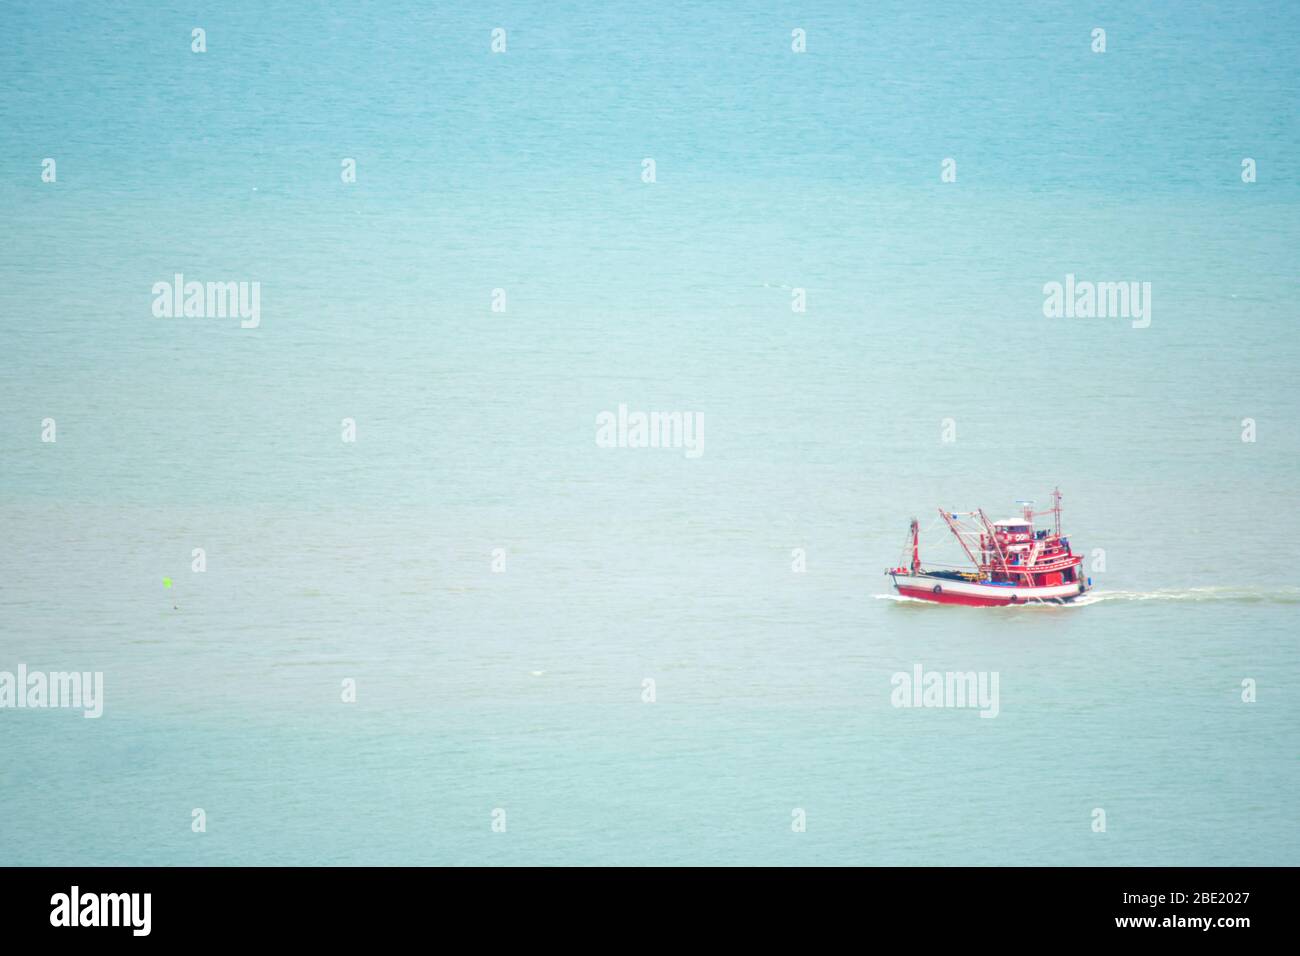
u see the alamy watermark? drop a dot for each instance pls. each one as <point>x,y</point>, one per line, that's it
<point>208,300</point>
<point>922,688</point>
<point>75,908</point>
<point>626,429</point>
<point>1098,300</point>
<point>37,689</point>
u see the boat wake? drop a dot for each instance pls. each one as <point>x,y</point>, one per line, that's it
<point>1225,594</point>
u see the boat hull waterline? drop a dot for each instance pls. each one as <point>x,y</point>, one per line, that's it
<point>924,587</point>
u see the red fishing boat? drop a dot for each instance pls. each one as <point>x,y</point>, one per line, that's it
<point>1013,563</point>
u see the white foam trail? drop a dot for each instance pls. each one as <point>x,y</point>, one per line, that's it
<point>1245,595</point>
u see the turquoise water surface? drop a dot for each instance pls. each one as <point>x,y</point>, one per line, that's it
<point>523,689</point>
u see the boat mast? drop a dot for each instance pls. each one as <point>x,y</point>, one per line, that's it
<point>916,546</point>
<point>1056,508</point>
<point>993,537</point>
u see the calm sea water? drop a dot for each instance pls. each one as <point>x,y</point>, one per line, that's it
<point>522,690</point>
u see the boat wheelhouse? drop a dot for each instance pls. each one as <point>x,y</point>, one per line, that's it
<point>1012,562</point>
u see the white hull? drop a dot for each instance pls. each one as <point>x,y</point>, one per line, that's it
<point>949,591</point>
